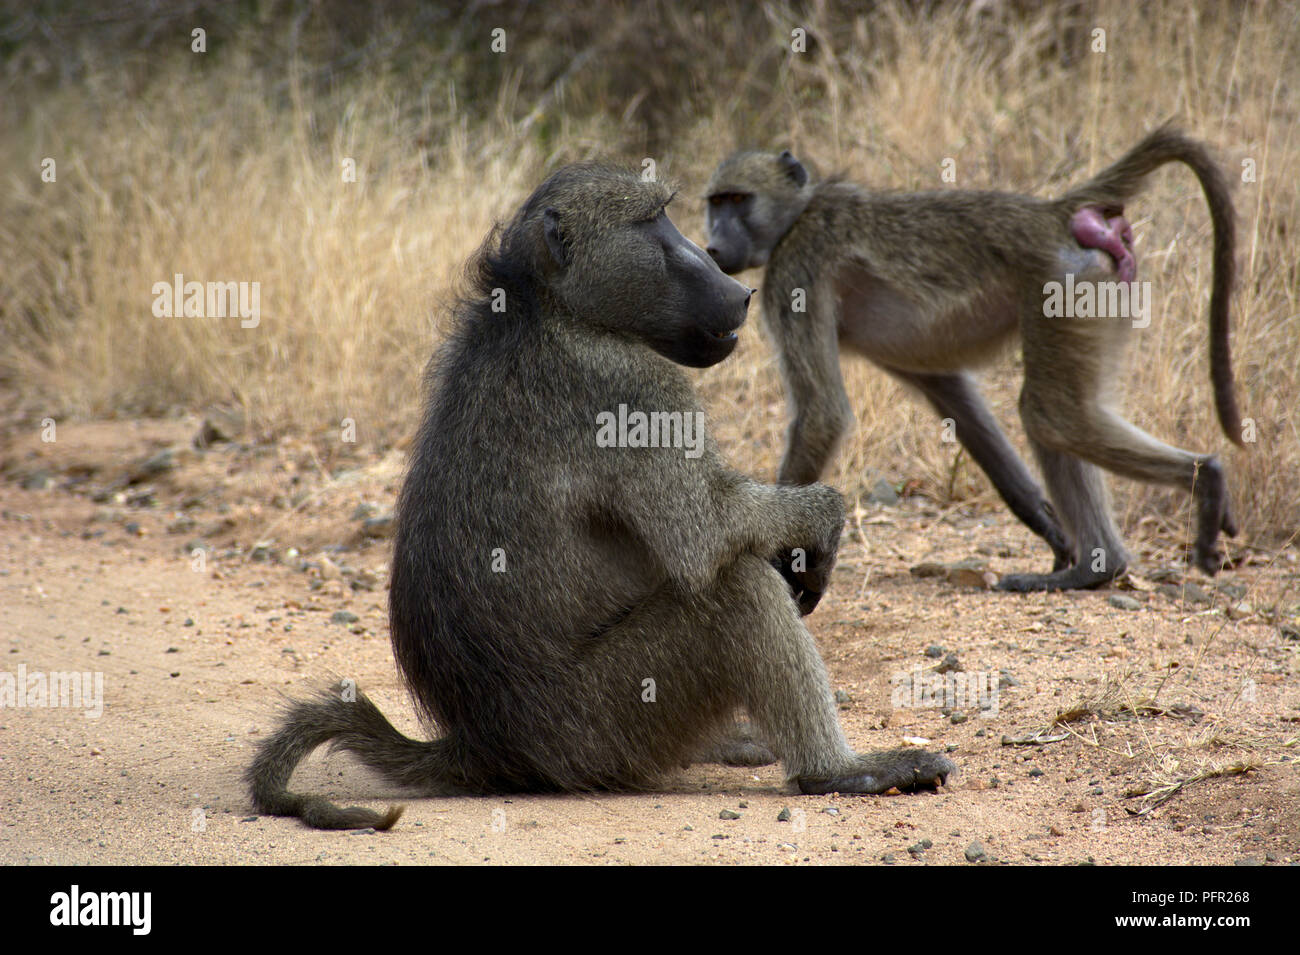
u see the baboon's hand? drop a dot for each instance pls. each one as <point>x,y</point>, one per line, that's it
<point>822,508</point>
<point>808,572</point>
<point>807,587</point>
<point>807,566</point>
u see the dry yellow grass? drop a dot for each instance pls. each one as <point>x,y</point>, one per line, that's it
<point>234,174</point>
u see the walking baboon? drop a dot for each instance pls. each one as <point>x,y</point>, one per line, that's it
<point>928,285</point>
<point>573,609</point>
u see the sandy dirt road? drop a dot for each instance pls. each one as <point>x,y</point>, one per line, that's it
<point>194,660</point>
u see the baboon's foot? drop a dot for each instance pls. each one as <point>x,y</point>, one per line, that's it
<point>1209,559</point>
<point>741,748</point>
<point>908,770</point>
<point>1214,514</point>
<point>739,753</point>
<point>1078,577</point>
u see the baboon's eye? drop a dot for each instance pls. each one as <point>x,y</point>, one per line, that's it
<point>725,198</point>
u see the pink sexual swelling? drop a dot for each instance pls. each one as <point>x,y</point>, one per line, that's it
<point>1114,236</point>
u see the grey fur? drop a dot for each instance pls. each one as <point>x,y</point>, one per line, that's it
<point>540,580</point>
<point>929,285</point>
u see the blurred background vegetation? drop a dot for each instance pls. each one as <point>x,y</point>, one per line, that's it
<point>226,165</point>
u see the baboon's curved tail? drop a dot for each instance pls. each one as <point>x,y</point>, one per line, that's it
<point>359,728</point>
<point>1119,182</point>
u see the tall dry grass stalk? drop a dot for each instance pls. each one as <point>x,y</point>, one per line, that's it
<point>234,173</point>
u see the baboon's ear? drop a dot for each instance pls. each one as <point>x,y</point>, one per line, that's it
<point>554,241</point>
<point>793,168</point>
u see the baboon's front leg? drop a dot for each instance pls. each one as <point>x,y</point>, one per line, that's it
<point>1079,490</point>
<point>820,414</point>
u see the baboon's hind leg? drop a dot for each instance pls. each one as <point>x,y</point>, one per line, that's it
<point>956,397</point>
<point>1102,438</point>
<point>1119,446</point>
<point>742,644</point>
<point>1078,490</point>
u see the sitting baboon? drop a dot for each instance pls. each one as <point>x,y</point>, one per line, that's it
<point>927,285</point>
<point>576,606</point>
